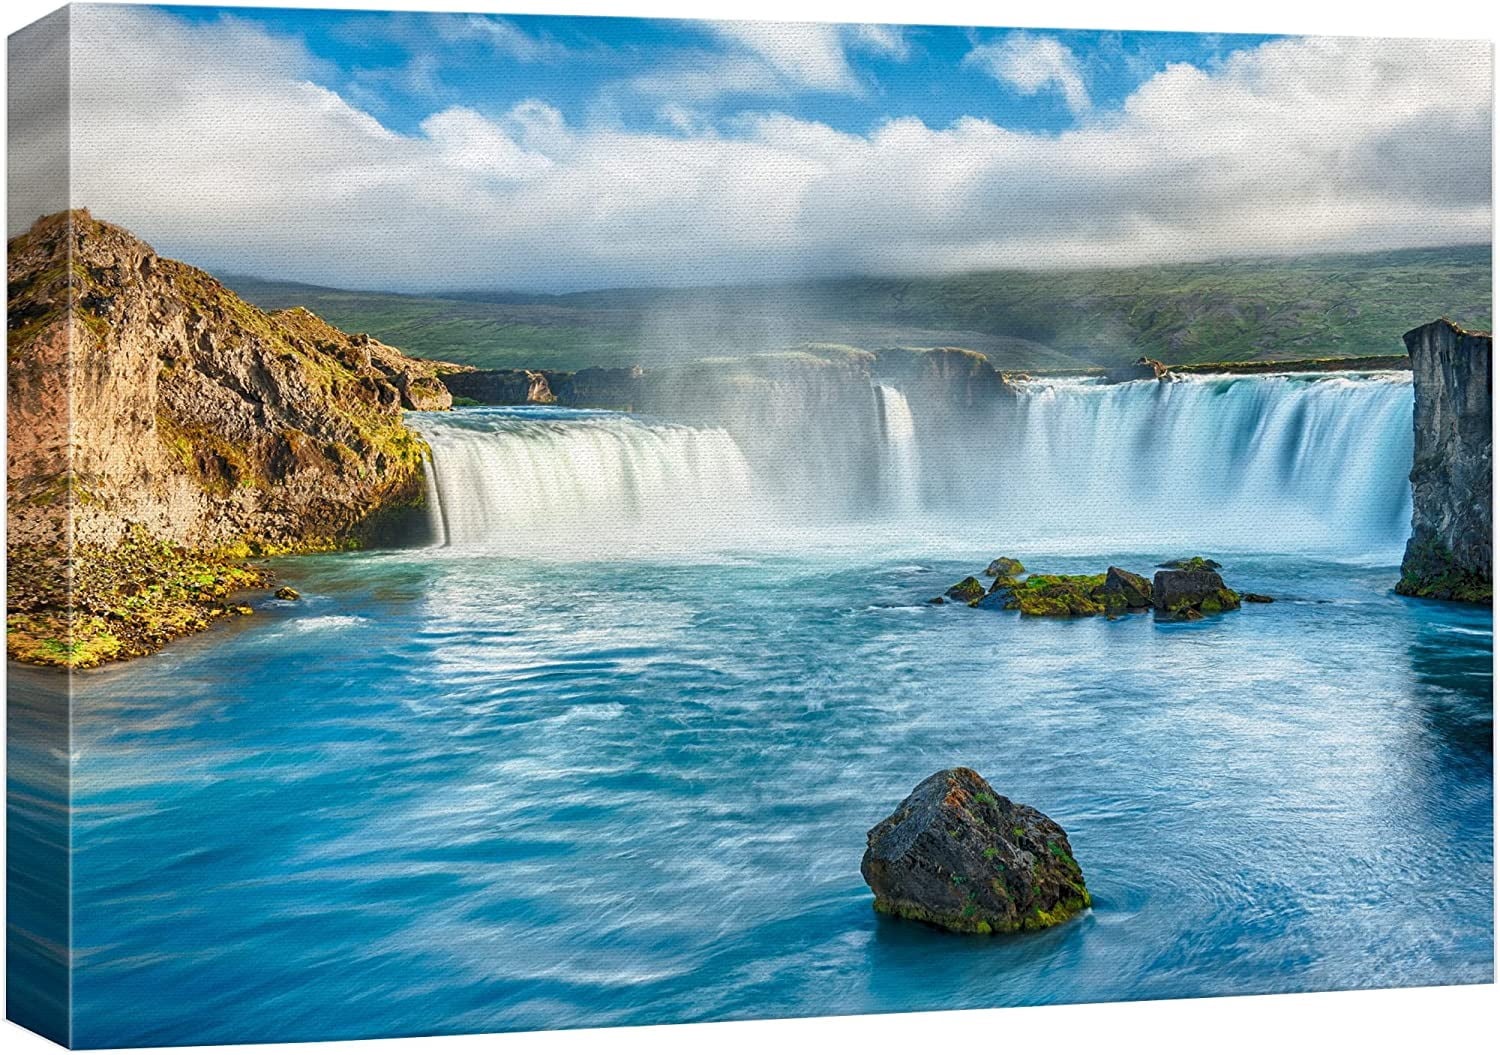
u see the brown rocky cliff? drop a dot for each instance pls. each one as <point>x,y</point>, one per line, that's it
<point>142,391</point>
<point>1449,555</point>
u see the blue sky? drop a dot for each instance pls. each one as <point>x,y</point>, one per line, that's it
<point>402,66</point>
<point>418,151</point>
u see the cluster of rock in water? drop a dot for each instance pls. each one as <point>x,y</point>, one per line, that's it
<point>958,855</point>
<point>1189,588</point>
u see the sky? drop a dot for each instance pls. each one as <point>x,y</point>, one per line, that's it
<point>423,151</point>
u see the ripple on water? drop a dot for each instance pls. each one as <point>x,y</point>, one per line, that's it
<point>512,794</point>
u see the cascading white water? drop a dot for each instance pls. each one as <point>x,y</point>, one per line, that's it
<point>437,530</point>
<point>1279,463</point>
<point>902,467</point>
<point>530,481</point>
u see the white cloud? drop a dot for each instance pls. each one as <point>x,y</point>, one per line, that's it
<point>683,119</point>
<point>773,59</point>
<point>1031,63</point>
<point>468,142</point>
<point>889,41</point>
<point>805,54</point>
<point>505,37</point>
<point>212,142</point>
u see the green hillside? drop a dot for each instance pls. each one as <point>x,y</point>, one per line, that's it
<point>1265,309</point>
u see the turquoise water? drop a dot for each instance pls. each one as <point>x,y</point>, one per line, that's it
<point>462,795</point>
<point>453,790</point>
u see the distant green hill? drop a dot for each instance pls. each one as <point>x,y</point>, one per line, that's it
<point>1263,309</point>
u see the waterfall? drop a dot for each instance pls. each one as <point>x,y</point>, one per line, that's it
<point>1280,463</point>
<point>530,480</point>
<point>1270,462</point>
<point>902,468</point>
<point>437,530</point>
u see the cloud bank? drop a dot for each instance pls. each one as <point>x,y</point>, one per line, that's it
<point>216,142</point>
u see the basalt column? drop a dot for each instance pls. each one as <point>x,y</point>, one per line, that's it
<point>1449,554</point>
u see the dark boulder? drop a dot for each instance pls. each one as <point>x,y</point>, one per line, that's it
<point>967,591</point>
<point>1192,592</point>
<point>1123,589</point>
<point>958,855</point>
<point>286,593</point>
<point>1001,595</point>
<point>1256,598</point>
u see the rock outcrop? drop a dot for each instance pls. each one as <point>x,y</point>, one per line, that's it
<point>1191,562</point>
<point>1449,555</point>
<point>1143,369</point>
<point>142,391</point>
<point>956,379</point>
<point>960,856</point>
<point>502,387</point>
<point>1187,588</point>
<point>969,591</point>
<point>1005,568</point>
<point>1192,589</point>
<point>613,388</point>
<point>151,407</point>
<point>1057,595</point>
<point>1123,589</point>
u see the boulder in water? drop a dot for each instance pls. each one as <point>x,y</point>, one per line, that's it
<point>1058,595</point>
<point>1192,591</point>
<point>1002,592</point>
<point>957,855</point>
<point>1122,590</point>
<point>1005,568</point>
<point>1001,595</point>
<point>286,593</point>
<point>1256,598</point>
<point>1191,563</point>
<point>967,591</point>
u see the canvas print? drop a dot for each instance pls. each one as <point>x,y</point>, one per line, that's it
<point>526,522</point>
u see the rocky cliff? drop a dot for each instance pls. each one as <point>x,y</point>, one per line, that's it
<point>150,406</point>
<point>956,379</point>
<point>502,387</point>
<point>1449,554</point>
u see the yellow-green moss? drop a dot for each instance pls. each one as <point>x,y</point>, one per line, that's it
<point>1057,595</point>
<point>100,604</point>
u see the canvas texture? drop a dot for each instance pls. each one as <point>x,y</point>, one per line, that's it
<point>526,522</point>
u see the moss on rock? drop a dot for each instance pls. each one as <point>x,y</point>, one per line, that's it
<point>109,603</point>
<point>1429,571</point>
<point>1058,596</point>
<point>968,590</point>
<point>959,856</point>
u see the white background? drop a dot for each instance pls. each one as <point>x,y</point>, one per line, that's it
<point>1456,1020</point>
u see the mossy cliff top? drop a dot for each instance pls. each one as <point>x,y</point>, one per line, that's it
<point>150,402</point>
